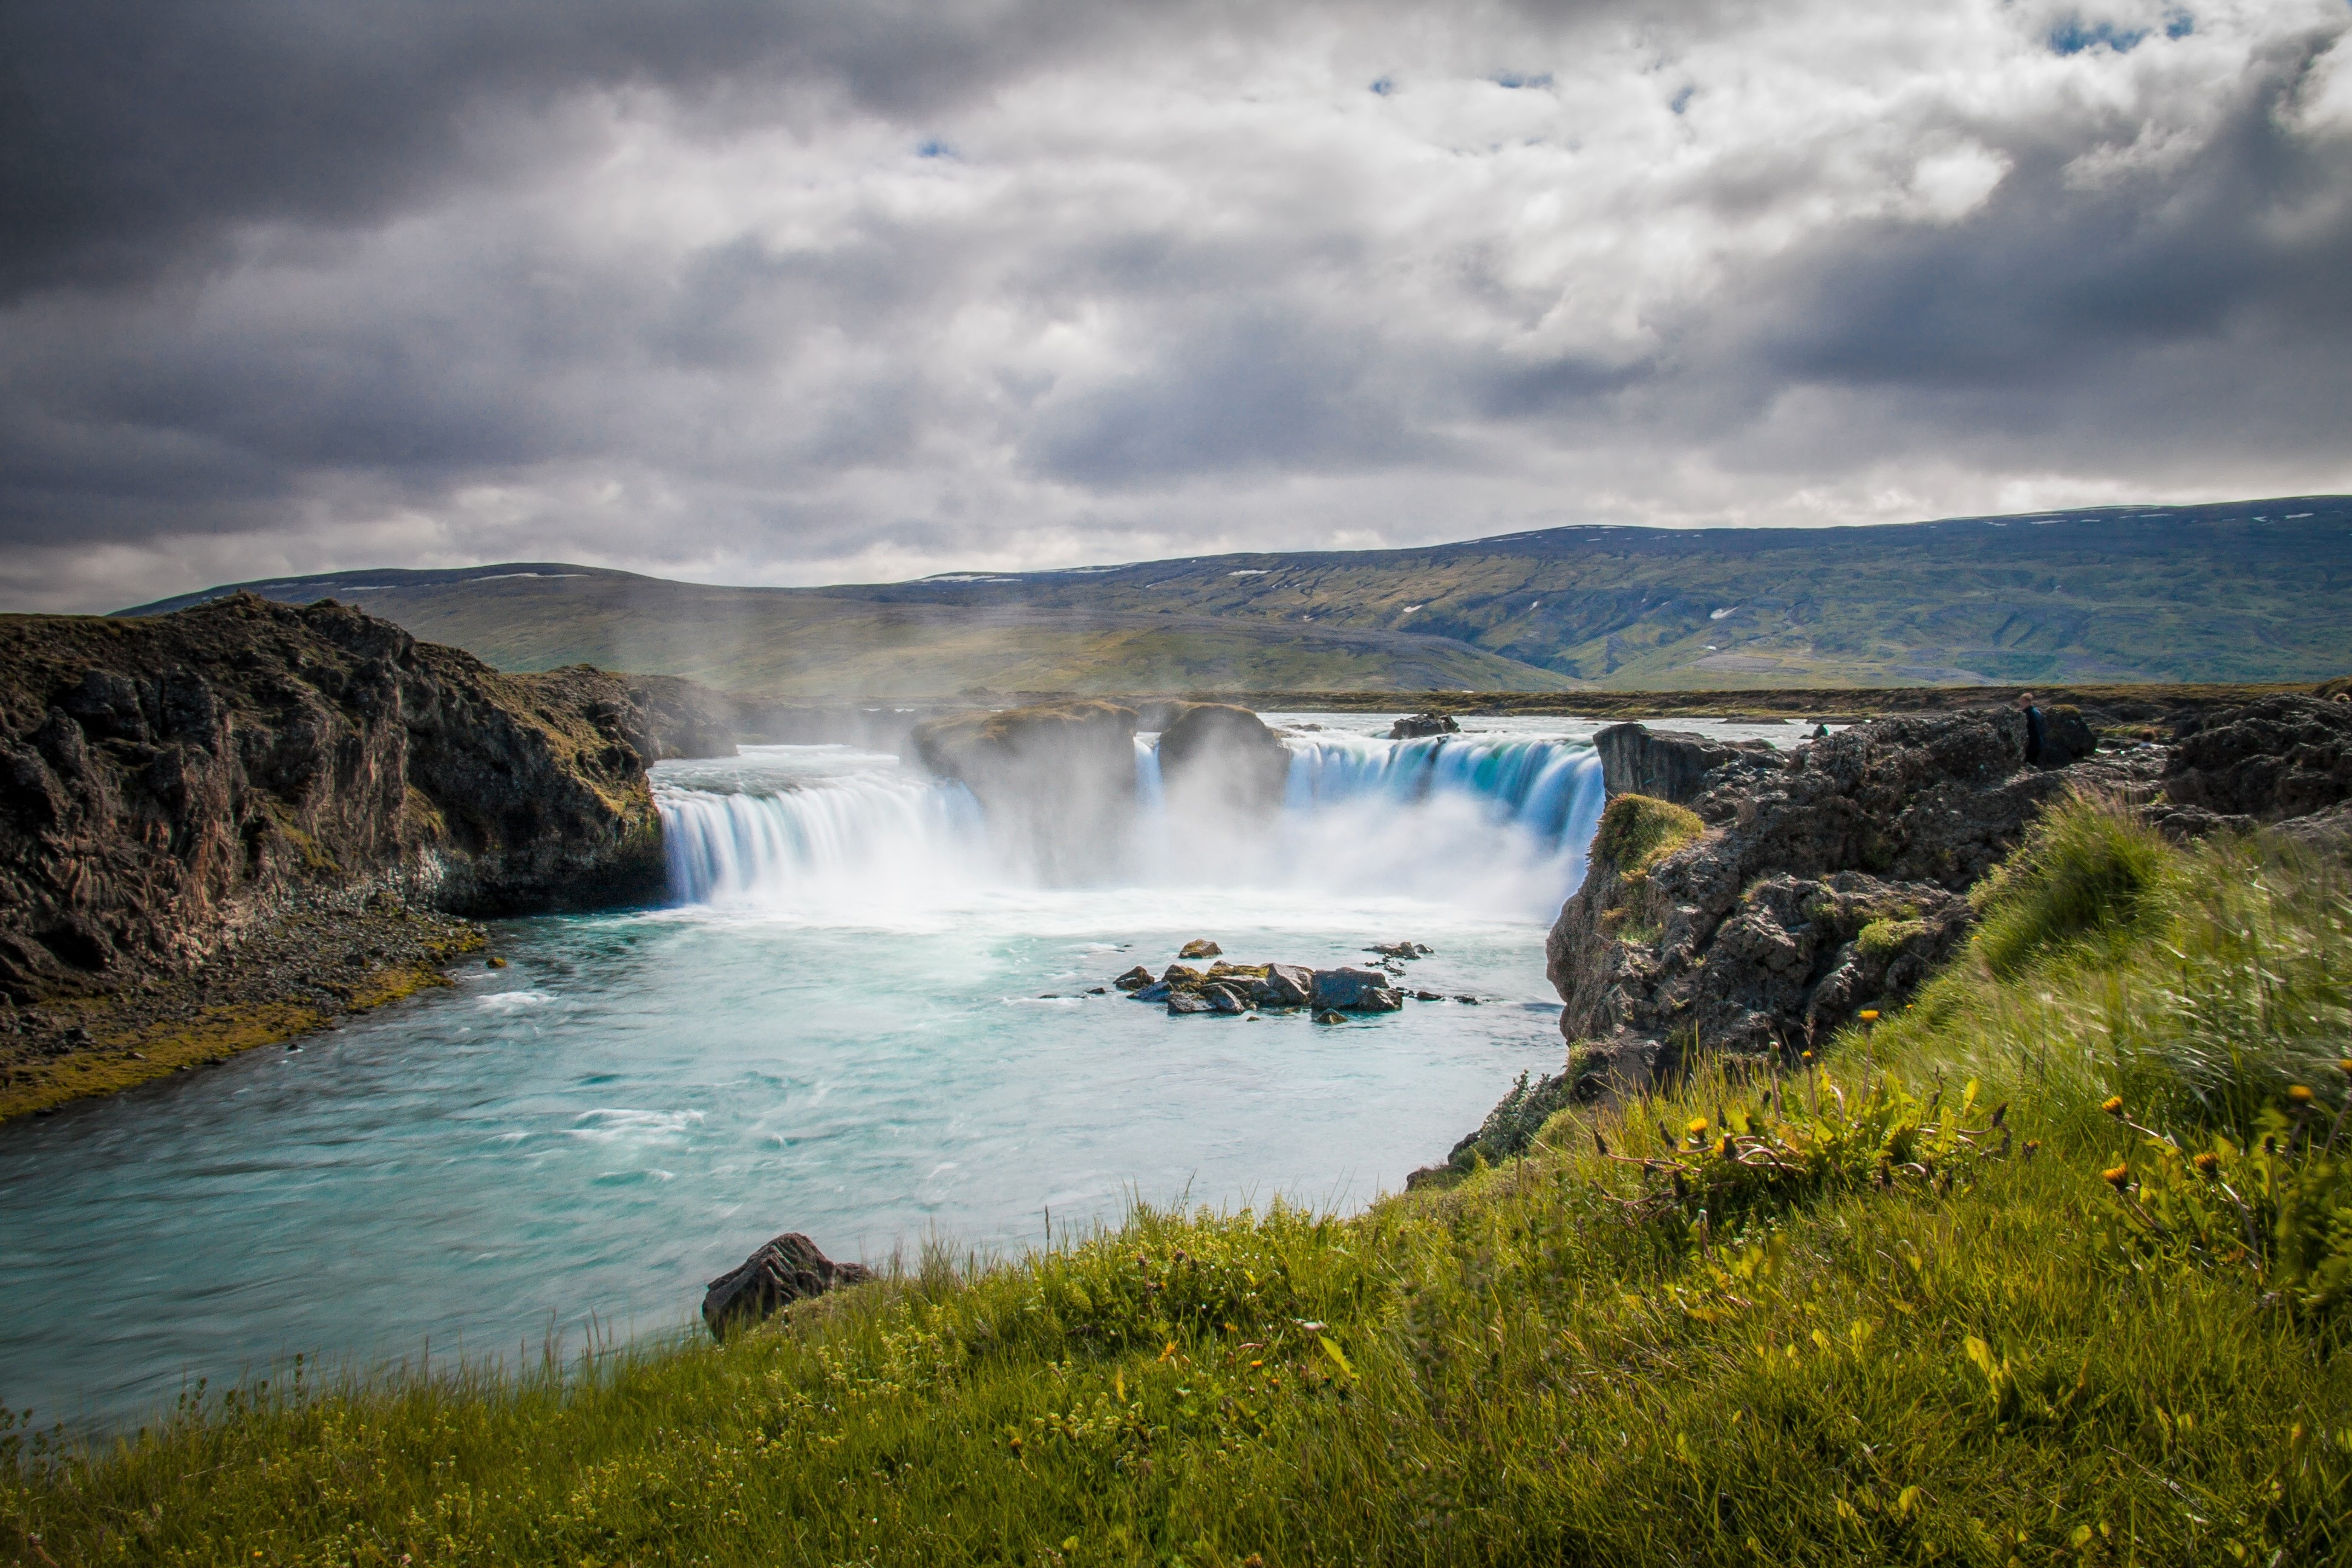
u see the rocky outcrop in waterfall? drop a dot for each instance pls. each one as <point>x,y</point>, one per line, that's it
<point>1057,781</point>
<point>1220,763</point>
<point>1667,764</point>
<point>176,786</point>
<point>1803,888</point>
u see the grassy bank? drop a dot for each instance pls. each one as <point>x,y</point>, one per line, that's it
<point>1962,1291</point>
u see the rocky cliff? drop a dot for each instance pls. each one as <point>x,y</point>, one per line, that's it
<point>173,786</point>
<point>1799,889</point>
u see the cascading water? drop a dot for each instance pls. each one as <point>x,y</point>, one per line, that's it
<point>1493,824</point>
<point>810,818</point>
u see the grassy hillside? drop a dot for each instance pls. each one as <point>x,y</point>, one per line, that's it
<point>2240,592</point>
<point>798,643</point>
<point>2050,1270</point>
<point>2244,591</point>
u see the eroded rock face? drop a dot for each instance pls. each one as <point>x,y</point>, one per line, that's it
<point>1058,780</point>
<point>169,781</point>
<point>1824,883</point>
<point>787,1269</point>
<point>1669,765</point>
<point>2276,758</point>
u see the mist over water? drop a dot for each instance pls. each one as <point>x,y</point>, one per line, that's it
<point>860,1016</point>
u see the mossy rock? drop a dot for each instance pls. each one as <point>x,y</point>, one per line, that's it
<point>1637,831</point>
<point>1884,937</point>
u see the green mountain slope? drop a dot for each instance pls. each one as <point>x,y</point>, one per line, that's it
<point>2246,591</point>
<point>807,644</point>
<point>2239,592</point>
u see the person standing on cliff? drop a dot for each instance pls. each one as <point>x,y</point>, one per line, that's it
<point>2032,729</point>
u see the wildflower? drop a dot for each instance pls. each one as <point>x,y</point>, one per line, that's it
<point>2299,1093</point>
<point>1869,1015</point>
<point>2114,1105</point>
<point>2206,1164</point>
<point>1698,1127</point>
<point>1808,1055</point>
<point>2120,1178</point>
<point>2344,1065</point>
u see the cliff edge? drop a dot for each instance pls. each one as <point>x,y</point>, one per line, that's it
<point>177,788</point>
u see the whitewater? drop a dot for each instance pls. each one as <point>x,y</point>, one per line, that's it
<point>856,1016</point>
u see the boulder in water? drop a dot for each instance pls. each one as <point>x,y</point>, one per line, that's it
<point>1291,985</point>
<point>1352,990</point>
<point>1419,726</point>
<point>1406,951</point>
<point>1223,999</point>
<point>1135,979</point>
<point>1158,991</point>
<point>1200,947</point>
<point>1330,1016</point>
<point>1180,974</point>
<point>1183,1002</point>
<point>789,1268</point>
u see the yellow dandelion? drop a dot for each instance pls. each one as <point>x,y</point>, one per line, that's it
<point>1698,1126</point>
<point>1869,1015</point>
<point>2299,1093</point>
<point>2119,1178</point>
<point>2206,1164</point>
<point>2114,1105</point>
<point>2344,1067</point>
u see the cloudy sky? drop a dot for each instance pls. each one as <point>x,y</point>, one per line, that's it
<point>822,291</point>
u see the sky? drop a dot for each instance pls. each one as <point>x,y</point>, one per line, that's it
<point>803,292</point>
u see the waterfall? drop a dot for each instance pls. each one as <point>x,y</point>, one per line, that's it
<point>1537,786</point>
<point>769,833</point>
<point>1497,824</point>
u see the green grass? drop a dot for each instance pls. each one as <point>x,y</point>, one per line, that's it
<point>1901,1317</point>
<point>1636,832</point>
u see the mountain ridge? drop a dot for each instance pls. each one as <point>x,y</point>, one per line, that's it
<point>2241,591</point>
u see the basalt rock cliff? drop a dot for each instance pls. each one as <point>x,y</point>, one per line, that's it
<point>1802,888</point>
<point>173,784</point>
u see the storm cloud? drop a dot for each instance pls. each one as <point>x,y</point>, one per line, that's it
<point>798,292</point>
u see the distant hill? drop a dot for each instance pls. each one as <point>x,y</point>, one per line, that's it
<point>789,642</point>
<point>2236,592</point>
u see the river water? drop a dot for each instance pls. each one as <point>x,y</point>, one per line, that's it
<point>853,1019</point>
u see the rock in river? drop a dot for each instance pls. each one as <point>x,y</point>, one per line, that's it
<point>1200,947</point>
<point>1290,984</point>
<point>1354,991</point>
<point>789,1268</point>
<point>1135,979</point>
